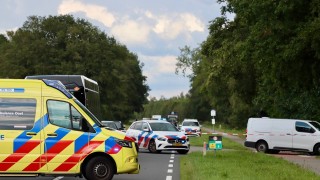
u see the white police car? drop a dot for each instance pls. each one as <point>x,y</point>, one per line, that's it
<point>191,127</point>
<point>158,135</point>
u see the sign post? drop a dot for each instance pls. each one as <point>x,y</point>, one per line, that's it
<point>215,143</point>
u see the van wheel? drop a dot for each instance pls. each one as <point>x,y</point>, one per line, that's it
<point>262,146</point>
<point>316,149</point>
<point>99,168</point>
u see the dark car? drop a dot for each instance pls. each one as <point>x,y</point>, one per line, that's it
<point>120,126</point>
<point>110,124</point>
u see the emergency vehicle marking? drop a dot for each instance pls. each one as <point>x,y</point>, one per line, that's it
<point>12,90</point>
<point>148,140</point>
<point>111,146</point>
<point>51,141</point>
<point>78,156</point>
<point>23,138</point>
<point>19,154</point>
<point>140,137</point>
<point>22,145</point>
<point>83,140</point>
<point>48,156</point>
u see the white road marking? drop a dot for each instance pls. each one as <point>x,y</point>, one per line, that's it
<point>171,161</point>
<point>169,178</point>
<point>170,165</point>
<point>170,170</point>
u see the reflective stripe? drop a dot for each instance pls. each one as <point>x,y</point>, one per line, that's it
<point>75,158</point>
<point>19,154</point>
<point>50,154</point>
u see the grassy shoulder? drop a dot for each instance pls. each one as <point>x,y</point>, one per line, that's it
<point>238,163</point>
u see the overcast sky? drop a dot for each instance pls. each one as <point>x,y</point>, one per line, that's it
<point>152,29</point>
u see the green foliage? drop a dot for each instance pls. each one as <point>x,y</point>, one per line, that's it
<point>164,107</point>
<point>265,59</point>
<point>64,45</point>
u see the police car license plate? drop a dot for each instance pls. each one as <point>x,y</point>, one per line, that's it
<point>177,144</point>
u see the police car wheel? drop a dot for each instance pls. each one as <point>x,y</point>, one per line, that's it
<point>152,146</point>
<point>99,168</point>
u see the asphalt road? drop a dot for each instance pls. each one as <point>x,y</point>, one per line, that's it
<point>162,166</point>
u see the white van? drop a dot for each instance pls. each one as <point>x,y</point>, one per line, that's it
<point>272,135</point>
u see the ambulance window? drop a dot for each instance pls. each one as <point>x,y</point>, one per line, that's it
<point>76,118</point>
<point>59,113</point>
<point>17,113</point>
<point>65,115</point>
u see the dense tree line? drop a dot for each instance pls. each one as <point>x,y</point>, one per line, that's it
<point>164,107</point>
<point>264,61</point>
<point>65,45</point>
<point>267,59</point>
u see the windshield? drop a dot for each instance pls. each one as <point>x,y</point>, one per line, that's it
<point>315,124</point>
<point>190,123</point>
<point>109,124</point>
<point>96,121</point>
<point>163,127</point>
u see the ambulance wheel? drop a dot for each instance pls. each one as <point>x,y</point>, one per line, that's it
<point>182,151</point>
<point>99,168</point>
<point>153,147</point>
<point>262,146</point>
<point>316,150</point>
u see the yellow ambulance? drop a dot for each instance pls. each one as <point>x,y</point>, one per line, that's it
<point>44,130</point>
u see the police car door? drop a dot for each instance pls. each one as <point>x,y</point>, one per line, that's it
<point>20,137</point>
<point>64,138</point>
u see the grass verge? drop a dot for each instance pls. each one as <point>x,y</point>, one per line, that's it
<point>237,164</point>
<point>240,164</point>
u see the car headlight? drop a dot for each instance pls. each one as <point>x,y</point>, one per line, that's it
<point>124,143</point>
<point>161,139</point>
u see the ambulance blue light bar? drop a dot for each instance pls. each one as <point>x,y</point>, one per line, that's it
<point>58,85</point>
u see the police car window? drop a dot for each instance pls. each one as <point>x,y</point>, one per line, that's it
<point>138,126</point>
<point>64,115</point>
<point>17,113</point>
<point>145,125</point>
<point>163,127</point>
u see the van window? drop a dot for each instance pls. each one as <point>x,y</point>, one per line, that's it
<point>64,115</point>
<point>315,124</point>
<point>304,127</point>
<point>17,113</point>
